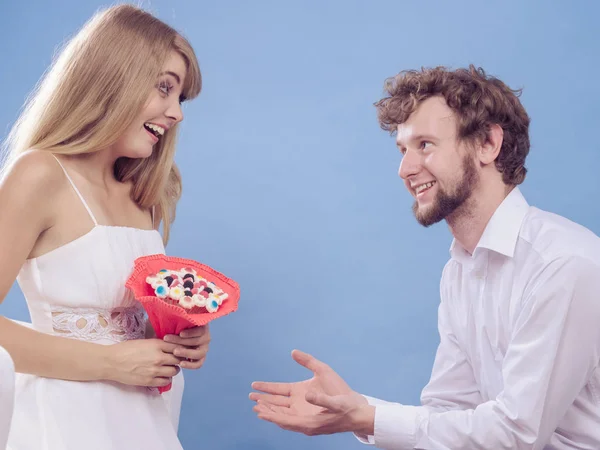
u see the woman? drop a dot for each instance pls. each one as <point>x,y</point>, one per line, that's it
<point>88,180</point>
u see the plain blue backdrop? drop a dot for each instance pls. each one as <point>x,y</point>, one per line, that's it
<point>305,209</point>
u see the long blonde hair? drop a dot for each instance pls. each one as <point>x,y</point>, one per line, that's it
<point>94,90</point>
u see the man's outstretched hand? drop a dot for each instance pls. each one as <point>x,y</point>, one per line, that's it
<point>323,404</point>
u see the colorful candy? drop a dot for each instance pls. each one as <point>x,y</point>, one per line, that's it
<point>187,289</point>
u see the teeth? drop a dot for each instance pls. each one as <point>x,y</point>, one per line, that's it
<point>424,186</point>
<point>159,130</point>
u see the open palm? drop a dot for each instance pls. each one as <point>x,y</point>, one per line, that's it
<point>291,398</point>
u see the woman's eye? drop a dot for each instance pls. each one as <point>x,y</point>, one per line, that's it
<point>164,88</point>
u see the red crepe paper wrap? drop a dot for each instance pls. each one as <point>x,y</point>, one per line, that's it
<point>167,318</point>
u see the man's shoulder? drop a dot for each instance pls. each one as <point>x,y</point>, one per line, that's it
<point>554,236</point>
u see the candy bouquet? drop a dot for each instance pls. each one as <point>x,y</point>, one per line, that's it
<point>181,293</point>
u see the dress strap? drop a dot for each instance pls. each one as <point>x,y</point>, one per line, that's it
<point>153,216</point>
<point>76,190</point>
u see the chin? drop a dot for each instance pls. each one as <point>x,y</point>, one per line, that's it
<point>427,215</point>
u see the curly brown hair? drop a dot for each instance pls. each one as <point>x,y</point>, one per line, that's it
<point>478,101</point>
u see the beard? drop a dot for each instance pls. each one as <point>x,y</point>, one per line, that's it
<point>446,203</point>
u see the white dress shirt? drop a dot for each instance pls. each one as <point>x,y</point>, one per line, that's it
<point>518,365</point>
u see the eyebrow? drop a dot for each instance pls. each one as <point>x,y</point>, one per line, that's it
<point>418,137</point>
<point>173,74</point>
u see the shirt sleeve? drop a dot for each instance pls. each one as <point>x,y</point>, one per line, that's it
<point>554,349</point>
<point>452,384</point>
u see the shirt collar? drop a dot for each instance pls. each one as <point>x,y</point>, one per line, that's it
<point>502,231</point>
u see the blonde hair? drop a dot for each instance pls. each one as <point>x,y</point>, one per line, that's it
<point>95,89</point>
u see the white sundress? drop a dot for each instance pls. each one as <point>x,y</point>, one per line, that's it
<point>85,279</point>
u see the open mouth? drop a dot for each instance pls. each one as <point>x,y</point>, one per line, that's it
<point>155,130</point>
<point>421,189</point>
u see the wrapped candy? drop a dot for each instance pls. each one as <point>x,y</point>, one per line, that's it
<point>184,287</point>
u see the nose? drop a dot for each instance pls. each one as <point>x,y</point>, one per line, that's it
<point>410,165</point>
<point>174,112</point>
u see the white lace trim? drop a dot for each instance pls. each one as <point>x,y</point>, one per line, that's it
<point>119,324</point>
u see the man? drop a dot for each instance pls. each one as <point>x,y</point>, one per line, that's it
<point>519,320</point>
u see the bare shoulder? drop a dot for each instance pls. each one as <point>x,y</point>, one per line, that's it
<point>31,186</point>
<point>29,190</point>
<point>33,172</point>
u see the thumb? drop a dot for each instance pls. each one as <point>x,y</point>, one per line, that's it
<point>332,403</point>
<point>308,361</point>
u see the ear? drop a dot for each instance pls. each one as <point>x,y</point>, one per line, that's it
<point>490,148</point>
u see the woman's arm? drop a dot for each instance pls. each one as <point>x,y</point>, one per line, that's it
<point>28,192</point>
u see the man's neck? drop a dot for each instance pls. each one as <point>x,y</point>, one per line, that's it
<point>468,223</point>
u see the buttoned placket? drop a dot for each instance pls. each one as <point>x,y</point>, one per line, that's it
<point>476,271</point>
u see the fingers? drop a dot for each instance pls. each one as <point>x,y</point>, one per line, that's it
<point>168,359</point>
<point>285,421</point>
<point>192,341</point>
<point>308,361</point>
<point>167,371</point>
<point>262,408</point>
<point>160,381</point>
<point>194,354</point>
<point>272,388</point>
<point>277,400</point>
<point>166,347</point>
<point>163,376</point>
<point>191,346</point>
<point>193,364</point>
<point>195,332</point>
<point>269,408</point>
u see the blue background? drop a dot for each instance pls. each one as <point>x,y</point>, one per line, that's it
<point>306,210</point>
